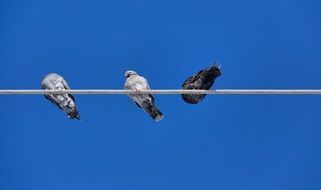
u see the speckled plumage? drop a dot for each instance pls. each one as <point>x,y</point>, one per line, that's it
<point>65,102</point>
<point>203,80</point>
<point>144,101</point>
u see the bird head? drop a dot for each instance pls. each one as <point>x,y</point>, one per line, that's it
<point>129,73</point>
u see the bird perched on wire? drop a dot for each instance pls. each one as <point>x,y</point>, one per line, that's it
<point>203,80</point>
<point>144,101</point>
<point>65,102</point>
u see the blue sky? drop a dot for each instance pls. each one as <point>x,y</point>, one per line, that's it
<point>226,142</point>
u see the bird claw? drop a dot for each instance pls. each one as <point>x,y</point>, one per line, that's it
<point>137,91</point>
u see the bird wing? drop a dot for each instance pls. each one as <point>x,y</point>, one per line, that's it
<point>188,81</point>
<point>199,75</point>
<point>147,87</point>
<point>137,104</point>
<point>197,81</point>
<point>49,97</point>
<point>66,86</point>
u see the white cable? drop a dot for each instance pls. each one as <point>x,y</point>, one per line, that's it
<point>222,91</point>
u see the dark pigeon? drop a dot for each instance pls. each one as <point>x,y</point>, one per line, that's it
<point>203,80</point>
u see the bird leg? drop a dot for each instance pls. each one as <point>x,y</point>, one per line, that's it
<point>137,91</point>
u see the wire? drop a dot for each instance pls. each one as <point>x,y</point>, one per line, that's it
<point>222,91</point>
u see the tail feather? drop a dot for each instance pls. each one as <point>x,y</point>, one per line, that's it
<point>214,70</point>
<point>155,113</point>
<point>73,113</point>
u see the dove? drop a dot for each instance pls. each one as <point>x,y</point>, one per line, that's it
<point>65,102</point>
<point>203,80</point>
<point>144,101</point>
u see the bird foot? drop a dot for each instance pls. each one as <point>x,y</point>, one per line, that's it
<point>137,91</point>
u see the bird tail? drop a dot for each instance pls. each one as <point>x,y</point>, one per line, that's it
<point>214,70</point>
<point>155,113</point>
<point>73,113</point>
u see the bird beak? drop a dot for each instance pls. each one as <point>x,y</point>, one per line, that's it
<point>219,66</point>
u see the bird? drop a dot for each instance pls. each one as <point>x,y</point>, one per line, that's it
<point>203,80</point>
<point>65,102</point>
<point>144,101</point>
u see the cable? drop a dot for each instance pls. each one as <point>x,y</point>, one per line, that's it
<point>222,91</point>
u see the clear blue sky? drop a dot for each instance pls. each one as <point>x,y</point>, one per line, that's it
<point>226,142</point>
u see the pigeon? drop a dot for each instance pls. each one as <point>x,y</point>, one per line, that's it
<point>65,102</point>
<point>144,101</point>
<point>203,80</point>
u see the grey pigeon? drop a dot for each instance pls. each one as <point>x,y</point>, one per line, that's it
<point>203,80</point>
<point>144,101</point>
<point>65,102</point>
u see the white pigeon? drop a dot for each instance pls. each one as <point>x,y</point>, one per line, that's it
<point>65,102</point>
<point>144,101</point>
